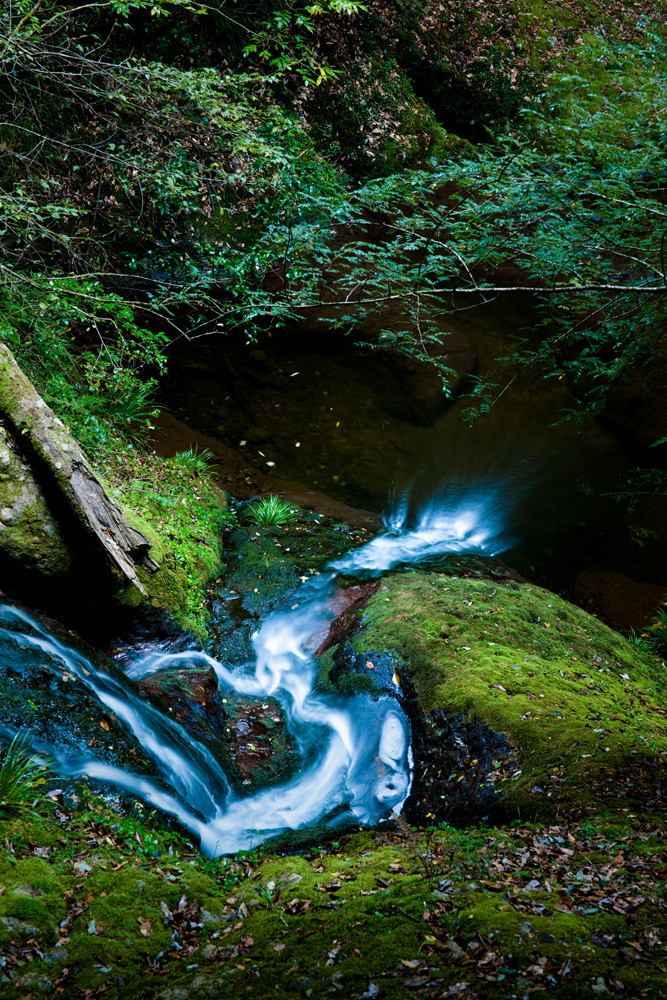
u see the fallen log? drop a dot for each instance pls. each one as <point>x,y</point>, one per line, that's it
<point>41,432</point>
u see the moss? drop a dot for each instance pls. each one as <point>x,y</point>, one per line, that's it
<point>395,907</point>
<point>29,534</point>
<point>581,706</point>
<point>182,515</point>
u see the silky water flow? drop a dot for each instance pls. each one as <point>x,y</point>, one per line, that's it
<point>356,753</point>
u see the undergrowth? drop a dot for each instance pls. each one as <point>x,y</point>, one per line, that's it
<point>186,511</point>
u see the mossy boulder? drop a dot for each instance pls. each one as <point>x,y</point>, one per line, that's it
<point>521,704</point>
<point>30,536</point>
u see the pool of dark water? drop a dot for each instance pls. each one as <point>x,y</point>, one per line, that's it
<point>312,409</point>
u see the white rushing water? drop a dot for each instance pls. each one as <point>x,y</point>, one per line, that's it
<point>358,749</point>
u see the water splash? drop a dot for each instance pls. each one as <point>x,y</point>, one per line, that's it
<point>458,525</point>
<point>360,748</point>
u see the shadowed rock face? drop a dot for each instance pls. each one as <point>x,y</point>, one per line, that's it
<point>191,696</point>
<point>617,600</point>
<point>457,761</point>
<point>30,536</point>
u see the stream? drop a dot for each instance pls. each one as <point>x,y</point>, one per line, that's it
<point>356,751</point>
<point>519,482</point>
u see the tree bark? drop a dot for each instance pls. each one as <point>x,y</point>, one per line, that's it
<point>37,427</point>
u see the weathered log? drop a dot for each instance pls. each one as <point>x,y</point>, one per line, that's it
<point>45,435</point>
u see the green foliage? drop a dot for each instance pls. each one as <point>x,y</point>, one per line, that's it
<point>270,511</point>
<point>195,461</point>
<point>186,515</point>
<point>654,639</point>
<point>20,773</point>
<point>204,206</point>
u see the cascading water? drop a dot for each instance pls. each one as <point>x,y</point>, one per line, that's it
<point>357,754</point>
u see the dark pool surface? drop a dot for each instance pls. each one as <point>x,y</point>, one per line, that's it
<point>310,408</point>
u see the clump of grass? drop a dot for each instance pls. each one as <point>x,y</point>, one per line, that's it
<point>20,773</point>
<point>654,640</point>
<point>195,461</point>
<point>270,511</point>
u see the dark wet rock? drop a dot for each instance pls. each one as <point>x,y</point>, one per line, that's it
<point>418,392</point>
<point>461,765</point>
<point>256,435</point>
<point>617,600</point>
<point>192,696</point>
<point>38,693</point>
<point>260,747</point>
<point>346,603</point>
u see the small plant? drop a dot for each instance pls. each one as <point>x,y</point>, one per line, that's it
<point>130,404</point>
<point>654,639</point>
<point>194,460</point>
<point>639,641</point>
<point>271,511</point>
<point>20,773</point>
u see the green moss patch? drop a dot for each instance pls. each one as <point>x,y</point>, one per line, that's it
<point>182,514</point>
<point>101,902</point>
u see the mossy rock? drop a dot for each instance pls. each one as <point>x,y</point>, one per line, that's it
<point>30,536</point>
<point>521,704</point>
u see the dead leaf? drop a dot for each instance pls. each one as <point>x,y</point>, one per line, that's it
<point>145,926</point>
<point>105,726</point>
<point>279,946</point>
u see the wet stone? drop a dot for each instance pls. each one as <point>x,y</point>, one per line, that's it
<point>191,696</point>
<point>261,749</point>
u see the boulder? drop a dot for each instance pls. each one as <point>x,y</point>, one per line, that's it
<point>620,602</point>
<point>520,703</point>
<point>30,536</point>
<point>417,387</point>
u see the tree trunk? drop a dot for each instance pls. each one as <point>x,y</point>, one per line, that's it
<point>37,427</point>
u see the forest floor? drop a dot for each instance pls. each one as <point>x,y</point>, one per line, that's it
<point>97,901</point>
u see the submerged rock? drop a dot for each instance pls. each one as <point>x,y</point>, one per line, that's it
<point>620,602</point>
<point>519,701</point>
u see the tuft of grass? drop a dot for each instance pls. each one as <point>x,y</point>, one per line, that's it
<point>271,511</point>
<point>654,640</point>
<point>20,773</point>
<point>195,461</point>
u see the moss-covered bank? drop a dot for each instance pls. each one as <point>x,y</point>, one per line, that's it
<point>183,514</point>
<point>96,901</point>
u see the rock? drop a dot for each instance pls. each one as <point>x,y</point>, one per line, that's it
<point>39,694</point>
<point>256,435</point>
<point>617,600</point>
<point>527,704</point>
<point>190,695</point>
<point>30,536</point>
<point>419,393</point>
<point>16,926</point>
